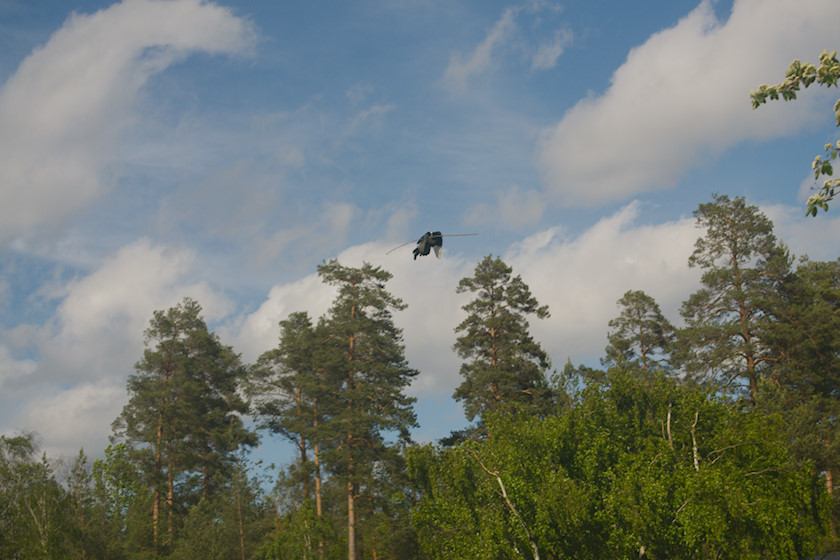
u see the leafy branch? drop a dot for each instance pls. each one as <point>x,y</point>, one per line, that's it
<point>799,76</point>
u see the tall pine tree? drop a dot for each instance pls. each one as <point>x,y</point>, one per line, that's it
<point>726,320</point>
<point>505,368</point>
<point>183,420</point>
<point>365,356</point>
<point>292,394</point>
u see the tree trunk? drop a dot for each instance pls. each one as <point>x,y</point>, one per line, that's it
<point>351,521</point>
<point>241,526</point>
<point>170,506</point>
<point>316,461</point>
<point>829,486</point>
<point>156,500</point>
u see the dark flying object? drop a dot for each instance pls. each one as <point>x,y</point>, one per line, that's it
<point>430,240</point>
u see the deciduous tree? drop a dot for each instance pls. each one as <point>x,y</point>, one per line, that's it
<point>652,469</point>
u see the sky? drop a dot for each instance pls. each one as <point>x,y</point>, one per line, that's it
<point>152,150</point>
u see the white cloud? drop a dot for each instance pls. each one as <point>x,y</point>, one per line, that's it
<point>68,103</point>
<point>462,68</point>
<point>79,417</point>
<point>118,299</point>
<point>581,278</point>
<point>683,97</point>
<point>256,332</point>
<point>76,388</point>
<point>805,235</point>
<point>373,115</point>
<point>308,237</point>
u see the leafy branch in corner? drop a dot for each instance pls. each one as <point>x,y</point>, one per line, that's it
<point>802,75</point>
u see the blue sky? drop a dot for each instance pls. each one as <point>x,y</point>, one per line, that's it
<point>152,150</point>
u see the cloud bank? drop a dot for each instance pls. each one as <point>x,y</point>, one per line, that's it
<point>682,98</point>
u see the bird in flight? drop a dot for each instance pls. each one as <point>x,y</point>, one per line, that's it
<point>428,241</point>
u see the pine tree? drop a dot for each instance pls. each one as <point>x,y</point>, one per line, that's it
<point>727,318</point>
<point>641,335</point>
<point>183,419</point>
<point>291,392</point>
<point>506,368</point>
<point>365,356</point>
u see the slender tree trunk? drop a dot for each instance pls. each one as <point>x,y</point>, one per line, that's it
<point>241,527</point>
<point>155,520</point>
<point>694,453</point>
<point>156,499</point>
<point>316,459</point>
<point>307,481</point>
<point>170,505</point>
<point>351,497</point>
<point>351,521</point>
<point>829,486</point>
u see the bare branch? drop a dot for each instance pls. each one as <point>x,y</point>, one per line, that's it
<point>495,474</point>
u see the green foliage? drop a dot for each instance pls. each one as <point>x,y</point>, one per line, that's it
<point>122,502</point>
<point>806,384</point>
<point>505,367</point>
<point>589,464</point>
<point>229,525</point>
<point>638,468</point>
<point>34,509</point>
<point>803,75</point>
<point>301,535</point>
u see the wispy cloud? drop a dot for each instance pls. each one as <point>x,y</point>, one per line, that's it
<point>64,108</point>
<point>547,53</point>
<point>461,68</point>
<point>514,208</point>
<point>505,33</point>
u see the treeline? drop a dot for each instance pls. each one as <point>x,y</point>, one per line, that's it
<point>714,440</point>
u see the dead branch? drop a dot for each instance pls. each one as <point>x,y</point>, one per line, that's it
<point>495,474</point>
